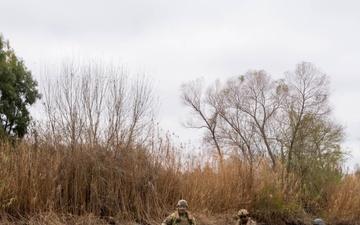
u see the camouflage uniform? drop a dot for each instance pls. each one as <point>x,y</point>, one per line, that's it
<point>181,216</point>
<point>176,219</point>
<point>248,221</point>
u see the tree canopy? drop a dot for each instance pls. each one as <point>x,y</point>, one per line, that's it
<point>18,90</point>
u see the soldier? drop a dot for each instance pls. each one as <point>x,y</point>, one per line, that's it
<point>181,216</point>
<point>318,221</point>
<point>243,218</point>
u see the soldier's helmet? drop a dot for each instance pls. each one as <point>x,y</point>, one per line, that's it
<point>243,212</point>
<point>183,203</point>
<point>318,221</point>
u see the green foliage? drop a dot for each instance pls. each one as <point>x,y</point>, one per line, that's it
<point>269,200</point>
<point>317,158</point>
<point>17,92</point>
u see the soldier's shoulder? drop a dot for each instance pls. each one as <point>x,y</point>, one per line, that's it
<point>173,214</point>
<point>191,215</point>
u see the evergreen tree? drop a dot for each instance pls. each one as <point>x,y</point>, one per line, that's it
<point>18,90</point>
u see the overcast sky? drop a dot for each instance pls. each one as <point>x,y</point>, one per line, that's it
<point>177,41</point>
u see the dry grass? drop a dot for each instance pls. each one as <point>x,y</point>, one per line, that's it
<point>46,184</point>
<point>344,202</point>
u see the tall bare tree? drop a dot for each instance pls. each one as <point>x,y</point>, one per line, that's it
<point>248,106</point>
<point>205,115</point>
<point>62,105</point>
<point>311,138</point>
<point>307,103</point>
<point>93,95</point>
<point>277,119</point>
<point>95,102</point>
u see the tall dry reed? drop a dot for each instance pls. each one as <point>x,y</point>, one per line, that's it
<point>143,184</point>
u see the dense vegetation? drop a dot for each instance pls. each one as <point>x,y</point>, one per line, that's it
<point>43,182</point>
<point>97,154</point>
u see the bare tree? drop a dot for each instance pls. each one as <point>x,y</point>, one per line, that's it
<point>205,115</point>
<point>310,137</point>
<point>118,109</point>
<point>95,102</point>
<point>249,106</point>
<point>62,105</point>
<point>93,96</point>
<point>306,103</point>
<point>143,109</point>
<point>287,119</point>
<point>240,114</point>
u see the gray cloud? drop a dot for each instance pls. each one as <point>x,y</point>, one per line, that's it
<point>182,40</point>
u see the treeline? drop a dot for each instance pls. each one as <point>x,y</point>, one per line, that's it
<point>271,146</point>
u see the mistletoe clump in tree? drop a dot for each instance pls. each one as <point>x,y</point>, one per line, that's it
<point>18,91</point>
